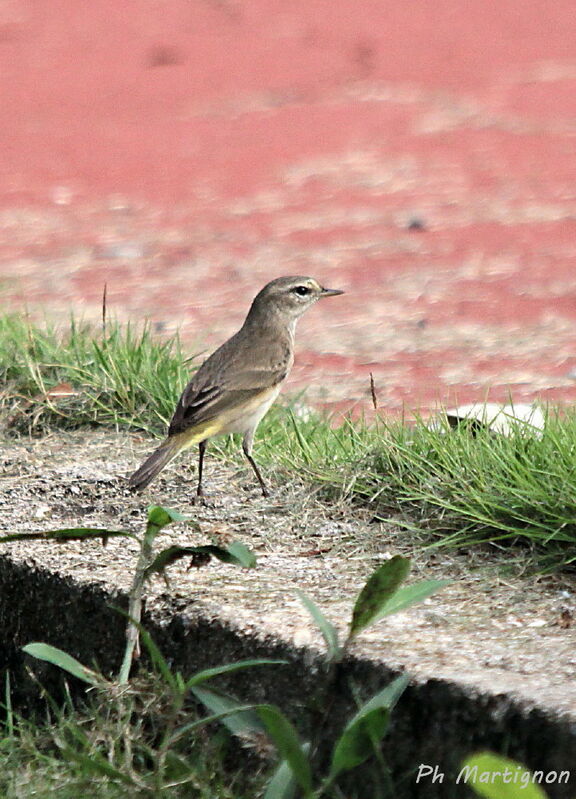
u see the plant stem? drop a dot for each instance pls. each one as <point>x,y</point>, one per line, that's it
<point>135,604</point>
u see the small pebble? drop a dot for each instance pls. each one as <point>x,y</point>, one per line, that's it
<point>42,511</point>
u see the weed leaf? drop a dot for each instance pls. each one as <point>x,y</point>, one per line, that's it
<point>496,787</point>
<point>366,729</point>
<point>67,534</point>
<point>57,657</point>
<point>378,590</point>
<point>285,737</point>
<point>328,630</point>
<point>283,785</point>
<point>241,555</point>
<point>391,694</point>
<point>159,517</point>
<point>357,742</point>
<point>236,554</point>
<point>172,554</point>
<point>236,711</point>
<point>409,595</point>
<point>240,721</point>
<point>229,668</point>
<point>156,656</point>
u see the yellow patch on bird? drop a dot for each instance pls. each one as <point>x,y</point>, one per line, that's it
<point>198,433</point>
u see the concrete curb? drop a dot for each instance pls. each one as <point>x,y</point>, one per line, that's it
<point>437,722</point>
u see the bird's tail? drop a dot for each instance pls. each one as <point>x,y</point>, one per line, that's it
<point>154,464</point>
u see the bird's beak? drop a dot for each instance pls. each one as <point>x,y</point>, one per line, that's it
<point>331,292</point>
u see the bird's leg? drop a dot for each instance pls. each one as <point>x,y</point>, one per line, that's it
<point>201,451</point>
<point>247,449</point>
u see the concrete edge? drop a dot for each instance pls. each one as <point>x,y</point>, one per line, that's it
<point>437,722</point>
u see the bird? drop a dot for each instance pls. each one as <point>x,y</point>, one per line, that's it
<point>234,388</point>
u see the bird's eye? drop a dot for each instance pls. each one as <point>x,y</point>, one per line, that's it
<point>301,291</point>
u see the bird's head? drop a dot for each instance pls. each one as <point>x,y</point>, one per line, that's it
<point>290,296</point>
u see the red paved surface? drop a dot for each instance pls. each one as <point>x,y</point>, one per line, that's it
<point>184,152</point>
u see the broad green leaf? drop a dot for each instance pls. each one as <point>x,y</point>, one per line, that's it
<point>67,534</point>
<point>243,556</point>
<point>235,716</point>
<point>409,595</point>
<point>389,696</point>
<point>172,554</point>
<point>285,737</point>
<point>236,554</point>
<point>57,657</point>
<point>159,517</point>
<point>495,777</point>
<point>232,714</point>
<point>328,630</point>
<point>282,784</point>
<point>366,729</point>
<point>209,674</point>
<point>356,744</point>
<point>378,590</point>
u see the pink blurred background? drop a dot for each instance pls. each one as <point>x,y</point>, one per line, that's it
<point>420,155</point>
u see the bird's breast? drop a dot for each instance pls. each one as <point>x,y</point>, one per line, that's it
<point>248,416</point>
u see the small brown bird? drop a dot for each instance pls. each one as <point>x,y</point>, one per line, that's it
<point>237,384</point>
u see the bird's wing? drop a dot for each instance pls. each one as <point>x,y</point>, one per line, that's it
<point>203,400</point>
<point>230,378</point>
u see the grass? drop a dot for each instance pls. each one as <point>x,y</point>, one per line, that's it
<point>450,487</point>
<point>447,485</point>
<point>64,755</point>
<point>123,378</point>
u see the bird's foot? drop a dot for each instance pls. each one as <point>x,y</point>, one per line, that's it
<point>205,501</point>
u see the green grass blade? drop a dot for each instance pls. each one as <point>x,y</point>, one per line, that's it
<point>328,630</point>
<point>283,784</point>
<point>95,763</point>
<point>286,740</point>
<point>230,668</point>
<point>239,719</point>
<point>63,660</point>
<point>8,705</point>
<point>408,595</point>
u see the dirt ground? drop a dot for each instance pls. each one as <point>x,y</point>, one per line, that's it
<point>493,627</point>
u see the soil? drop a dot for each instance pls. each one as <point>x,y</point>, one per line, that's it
<point>492,628</point>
